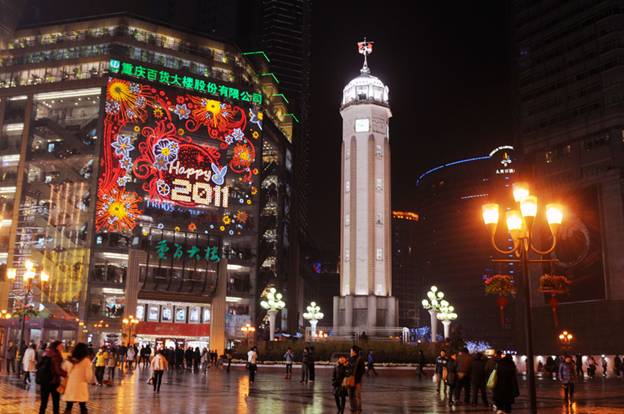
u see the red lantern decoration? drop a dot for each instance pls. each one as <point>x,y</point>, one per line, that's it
<point>554,285</point>
<point>553,307</point>
<point>502,286</point>
<point>502,302</point>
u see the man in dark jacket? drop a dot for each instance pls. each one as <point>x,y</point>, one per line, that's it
<point>451,378</point>
<point>10,358</point>
<point>478,378</point>
<point>506,388</point>
<point>51,364</point>
<point>358,368</point>
<point>440,370</point>
<point>463,375</point>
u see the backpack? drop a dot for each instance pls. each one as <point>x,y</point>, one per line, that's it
<point>44,371</point>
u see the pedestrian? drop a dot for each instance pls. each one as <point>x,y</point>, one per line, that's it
<point>305,365</point>
<point>617,363</point>
<point>567,376</point>
<point>111,366</point>
<point>188,357</point>
<point>289,356</point>
<point>441,371</point>
<point>49,373</point>
<point>463,375</point>
<point>338,376</point>
<point>228,355</point>
<point>196,359</point>
<point>490,365</point>
<point>591,367</point>
<point>252,358</point>
<point>370,363</point>
<point>79,376</point>
<point>179,357</point>
<point>604,366</point>
<point>506,388</point>
<point>478,379</point>
<point>421,363</point>
<point>451,378</point>
<point>159,365</point>
<point>205,359</point>
<point>148,355</point>
<point>579,367</point>
<point>20,357</point>
<point>100,365</point>
<point>311,359</point>
<point>357,369</point>
<point>131,355</point>
<point>10,358</point>
<point>29,363</point>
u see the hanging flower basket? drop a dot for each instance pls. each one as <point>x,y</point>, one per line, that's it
<point>501,286</point>
<point>554,285</point>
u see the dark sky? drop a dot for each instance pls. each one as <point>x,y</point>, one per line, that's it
<point>447,67</point>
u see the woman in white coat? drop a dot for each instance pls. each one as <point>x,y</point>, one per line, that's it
<point>29,362</point>
<point>79,376</point>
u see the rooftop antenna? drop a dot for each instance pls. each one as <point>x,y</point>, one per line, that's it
<point>365,48</point>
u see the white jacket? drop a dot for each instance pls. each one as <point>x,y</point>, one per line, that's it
<point>30,360</point>
<point>159,363</point>
<point>79,376</point>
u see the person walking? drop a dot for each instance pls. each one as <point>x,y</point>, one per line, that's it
<point>79,376</point>
<point>441,371</point>
<point>29,363</point>
<point>131,355</point>
<point>579,367</point>
<point>357,368</point>
<point>205,360</point>
<point>478,379</point>
<point>451,378</point>
<point>421,363</point>
<point>289,356</point>
<point>100,365</point>
<point>617,364</point>
<point>252,359</point>
<point>188,357</point>
<point>311,360</point>
<point>591,367</point>
<point>196,359</point>
<point>604,364</point>
<point>463,375</point>
<point>111,366</point>
<point>159,365</point>
<point>11,354</point>
<point>49,373</point>
<point>506,388</point>
<point>567,376</point>
<point>305,365</point>
<point>370,363</point>
<point>338,376</point>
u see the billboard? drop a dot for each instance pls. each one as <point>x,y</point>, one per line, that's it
<point>179,159</point>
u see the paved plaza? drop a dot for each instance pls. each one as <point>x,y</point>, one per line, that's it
<point>393,391</point>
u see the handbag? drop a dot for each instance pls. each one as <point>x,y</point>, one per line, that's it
<point>491,382</point>
<point>348,382</point>
<point>435,378</point>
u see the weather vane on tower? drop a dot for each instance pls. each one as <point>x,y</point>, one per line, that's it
<point>365,48</point>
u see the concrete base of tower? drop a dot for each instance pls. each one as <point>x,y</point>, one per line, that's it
<point>373,315</point>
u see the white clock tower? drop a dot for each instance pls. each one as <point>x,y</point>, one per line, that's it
<point>365,303</point>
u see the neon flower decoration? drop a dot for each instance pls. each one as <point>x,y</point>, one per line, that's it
<point>313,315</point>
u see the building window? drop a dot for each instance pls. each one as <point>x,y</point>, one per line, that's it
<point>379,254</point>
<point>379,184</point>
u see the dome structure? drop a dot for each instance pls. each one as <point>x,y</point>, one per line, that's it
<point>366,88</point>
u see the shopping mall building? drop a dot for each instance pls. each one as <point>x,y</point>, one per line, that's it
<point>147,171</point>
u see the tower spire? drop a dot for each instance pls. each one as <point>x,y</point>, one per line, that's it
<point>365,48</point>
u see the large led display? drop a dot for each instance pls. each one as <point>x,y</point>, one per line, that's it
<point>184,160</point>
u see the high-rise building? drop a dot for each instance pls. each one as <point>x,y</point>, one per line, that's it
<point>569,96</point>
<point>135,162</point>
<point>406,281</point>
<point>365,302</point>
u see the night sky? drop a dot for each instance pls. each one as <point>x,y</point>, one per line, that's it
<point>450,94</point>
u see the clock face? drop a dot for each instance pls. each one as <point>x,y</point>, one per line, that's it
<point>362,125</point>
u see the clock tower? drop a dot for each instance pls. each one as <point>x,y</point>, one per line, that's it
<point>365,303</point>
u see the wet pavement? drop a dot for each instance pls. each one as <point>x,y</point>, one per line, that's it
<point>393,391</point>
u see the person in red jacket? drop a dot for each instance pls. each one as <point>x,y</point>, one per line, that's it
<point>49,373</point>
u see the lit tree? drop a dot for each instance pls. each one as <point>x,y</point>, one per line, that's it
<point>273,303</point>
<point>313,315</point>
<point>433,305</point>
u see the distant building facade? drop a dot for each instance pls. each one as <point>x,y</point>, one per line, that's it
<point>406,281</point>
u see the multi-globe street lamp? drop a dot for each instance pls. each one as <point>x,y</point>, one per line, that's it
<point>29,283</point>
<point>273,303</point>
<point>433,304</point>
<point>313,315</point>
<point>248,330</point>
<point>130,323</point>
<point>565,338</point>
<point>520,224</point>
<point>446,315</point>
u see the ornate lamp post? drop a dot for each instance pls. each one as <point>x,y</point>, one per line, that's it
<point>273,304</point>
<point>433,305</point>
<point>446,316</point>
<point>29,282</point>
<point>313,315</point>
<point>248,330</point>
<point>565,338</point>
<point>130,323</point>
<point>520,227</point>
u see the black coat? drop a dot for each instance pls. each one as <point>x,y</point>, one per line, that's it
<point>506,389</point>
<point>339,374</point>
<point>477,370</point>
<point>451,368</point>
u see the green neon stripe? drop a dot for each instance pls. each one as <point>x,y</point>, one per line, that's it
<point>257,52</point>
<point>282,95</point>
<point>293,117</point>
<point>270,74</point>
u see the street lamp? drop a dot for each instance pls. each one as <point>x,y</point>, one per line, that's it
<point>313,315</point>
<point>273,304</point>
<point>433,305</point>
<point>565,338</point>
<point>520,226</point>
<point>446,316</point>
<point>248,330</point>
<point>29,279</point>
<point>129,323</point>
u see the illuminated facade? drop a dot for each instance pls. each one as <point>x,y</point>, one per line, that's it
<point>137,165</point>
<point>406,280</point>
<point>452,247</point>
<point>365,302</point>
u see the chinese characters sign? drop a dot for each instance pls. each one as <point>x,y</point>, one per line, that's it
<point>166,250</point>
<point>167,78</point>
<point>170,151</point>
